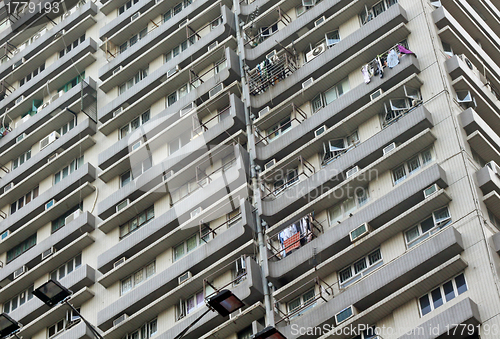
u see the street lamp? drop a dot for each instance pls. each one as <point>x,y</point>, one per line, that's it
<point>224,303</point>
<point>269,332</point>
<point>53,293</point>
<point>8,326</point>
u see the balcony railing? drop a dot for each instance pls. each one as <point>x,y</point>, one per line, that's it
<point>312,229</point>
<point>263,33</point>
<point>204,224</point>
<point>291,109</point>
<point>271,71</point>
<point>238,267</point>
<point>480,75</point>
<point>201,127</point>
<point>195,80</point>
<point>324,291</point>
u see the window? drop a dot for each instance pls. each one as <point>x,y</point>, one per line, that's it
<point>332,38</point>
<point>194,301</point>
<point>370,13</point>
<point>306,5</point>
<point>442,294</point>
<point>18,300</point>
<point>66,323</point>
<point>61,221</point>
<point>67,127</point>
<point>133,81</point>
<point>21,159</point>
<point>303,303</point>
<point>71,46</point>
<point>178,143</point>
<point>147,330</point>
<point>330,95</point>
<point>32,74</point>
<point>360,268</point>
<point>191,243</point>
<point>398,107</point>
<point>67,170</point>
<point>411,166</point>
<point>66,268</point>
<point>133,40</point>
<point>336,147</point>
<point>342,210</point>
<point>72,83</point>
<point>142,167</point>
<point>24,200</point>
<point>21,248</point>
<point>179,93</point>
<point>291,177</point>
<point>137,278</point>
<point>125,178</point>
<point>126,6</point>
<point>279,129</point>
<point>439,219</point>
<point>448,50</point>
<point>134,124</point>
<point>138,221</point>
<point>493,219</point>
<point>176,10</point>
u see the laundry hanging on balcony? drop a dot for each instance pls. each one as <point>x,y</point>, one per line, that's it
<point>392,59</point>
<point>295,236</point>
<point>405,50</point>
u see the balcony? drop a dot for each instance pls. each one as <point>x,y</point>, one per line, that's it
<point>252,8</point>
<point>68,147</point>
<point>83,276</point>
<point>67,193</point>
<point>411,132</point>
<point>462,314</point>
<point>55,76</point>
<point>161,39</point>
<point>46,45</point>
<point>42,123</point>
<point>387,216</point>
<point>480,136</point>
<point>222,240</point>
<point>160,293</point>
<point>59,312</point>
<point>410,292</point>
<point>346,56</point>
<point>355,101</point>
<point>380,284</point>
<point>213,188</point>
<point>488,178</point>
<point>200,84</point>
<point>68,233</point>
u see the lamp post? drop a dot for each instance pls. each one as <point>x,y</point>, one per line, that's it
<point>224,303</point>
<point>269,332</point>
<point>53,293</point>
<point>8,326</point>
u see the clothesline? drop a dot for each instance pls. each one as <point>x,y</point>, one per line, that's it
<point>388,59</point>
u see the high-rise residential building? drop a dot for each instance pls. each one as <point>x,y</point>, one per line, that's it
<point>332,163</point>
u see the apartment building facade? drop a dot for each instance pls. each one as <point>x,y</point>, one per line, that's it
<point>333,163</point>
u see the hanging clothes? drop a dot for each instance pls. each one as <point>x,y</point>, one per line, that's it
<point>366,74</point>
<point>380,67</point>
<point>392,59</point>
<point>404,50</point>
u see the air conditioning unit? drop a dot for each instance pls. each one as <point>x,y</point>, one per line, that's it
<point>376,94</point>
<point>4,235</point>
<point>8,187</point>
<point>118,111</point>
<point>136,145</point>
<point>319,21</point>
<point>389,148</point>
<point>352,171</point>
<point>50,204</point>
<point>307,83</point>
<point>271,55</point>
<point>264,111</point>
<point>48,253</point>
<point>315,52</point>
<point>167,175</point>
<point>235,314</point>
<point>212,45</point>
<point>119,262</point>
<point>269,164</point>
<point>23,120</point>
<point>18,63</point>
<point>135,16</point>
<point>359,232</point>
<point>121,318</point>
<point>188,108</point>
<point>72,217</point>
<point>49,139</point>
<point>320,131</point>
<point>20,271</point>
<point>184,277</point>
<point>52,157</point>
<point>172,71</point>
<point>45,104</point>
<point>241,265</point>
<point>195,212</point>
<point>345,314</point>
<point>183,22</point>
<point>117,69</point>
<point>18,100</point>
<point>431,190</point>
<point>20,137</point>
<point>122,205</point>
<point>215,90</point>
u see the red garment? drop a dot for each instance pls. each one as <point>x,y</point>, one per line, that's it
<point>292,243</point>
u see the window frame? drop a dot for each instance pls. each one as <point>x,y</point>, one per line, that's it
<point>344,211</point>
<point>199,242</point>
<point>304,304</point>
<point>139,224</point>
<point>145,276</point>
<point>431,231</point>
<point>423,162</point>
<point>361,273</point>
<point>142,118</point>
<point>442,294</point>
<point>28,296</point>
<point>74,165</point>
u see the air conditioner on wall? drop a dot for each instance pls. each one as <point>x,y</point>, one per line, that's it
<point>52,157</point>
<point>319,21</point>
<point>320,131</point>
<point>264,111</point>
<point>376,94</point>
<point>430,190</point>
<point>307,83</point>
<point>135,16</point>
<point>215,90</point>
<point>122,205</point>
<point>352,171</point>
<point>389,148</point>
<point>212,45</point>
<point>8,187</point>
<point>184,277</point>
<point>195,212</point>
<point>72,217</point>
<point>20,137</point>
<point>345,314</point>
<point>20,271</point>
<point>315,52</point>
<point>119,262</point>
<point>269,164</point>
<point>48,253</point>
<point>121,318</point>
<point>172,71</point>
<point>50,204</point>
<point>4,235</point>
<point>117,69</point>
<point>49,139</point>
<point>167,175</point>
<point>359,232</point>
<point>18,100</point>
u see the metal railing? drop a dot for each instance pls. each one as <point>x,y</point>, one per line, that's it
<point>271,71</point>
<point>204,224</point>
<point>195,80</point>
<point>305,168</point>
<point>240,274</point>
<point>313,233</point>
<point>325,291</point>
<point>255,40</point>
<point>203,126</point>
<point>480,75</point>
<point>293,110</point>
